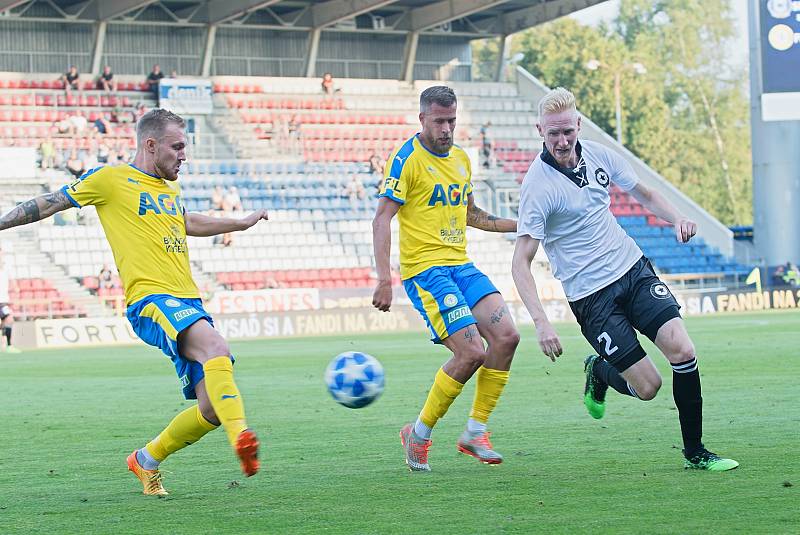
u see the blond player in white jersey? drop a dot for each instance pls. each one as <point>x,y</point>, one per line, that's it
<point>610,285</point>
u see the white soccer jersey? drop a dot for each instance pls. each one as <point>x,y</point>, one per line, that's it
<point>568,210</point>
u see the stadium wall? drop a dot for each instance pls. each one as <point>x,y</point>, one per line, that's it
<point>50,47</point>
<point>134,49</point>
<point>362,319</point>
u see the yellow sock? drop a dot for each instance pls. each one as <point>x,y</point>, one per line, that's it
<point>225,396</point>
<point>444,390</point>
<point>490,385</point>
<point>185,429</point>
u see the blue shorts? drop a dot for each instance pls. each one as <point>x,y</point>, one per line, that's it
<point>158,319</point>
<point>444,295</point>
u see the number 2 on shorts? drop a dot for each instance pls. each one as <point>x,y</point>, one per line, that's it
<point>604,337</point>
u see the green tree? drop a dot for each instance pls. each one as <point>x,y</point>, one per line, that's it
<point>687,116</point>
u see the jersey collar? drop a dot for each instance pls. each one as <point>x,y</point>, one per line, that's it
<point>576,175</point>
<point>145,172</point>
<point>445,155</point>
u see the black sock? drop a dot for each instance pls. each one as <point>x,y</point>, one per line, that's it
<point>7,333</point>
<point>688,399</point>
<point>610,376</point>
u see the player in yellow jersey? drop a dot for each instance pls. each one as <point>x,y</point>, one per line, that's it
<point>429,186</point>
<point>140,208</point>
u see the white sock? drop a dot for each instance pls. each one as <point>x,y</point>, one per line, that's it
<point>146,460</point>
<point>422,430</point>
<point>475,427</point>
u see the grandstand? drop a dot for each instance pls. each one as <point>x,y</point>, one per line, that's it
<point>277,139</point>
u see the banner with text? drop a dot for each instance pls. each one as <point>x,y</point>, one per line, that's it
<point>184,95</point>
<point>255,319</point>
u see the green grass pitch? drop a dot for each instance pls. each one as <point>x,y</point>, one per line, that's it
<point>71,418</point>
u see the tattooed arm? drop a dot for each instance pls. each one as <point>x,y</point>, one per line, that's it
<point>40,207</point>
<point>485,221</point>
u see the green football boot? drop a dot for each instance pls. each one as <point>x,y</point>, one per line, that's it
<point>594,391</point>
<point>705,460</point>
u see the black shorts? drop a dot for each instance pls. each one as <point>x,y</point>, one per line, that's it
<point>638,300</point>
<point>5,311</point>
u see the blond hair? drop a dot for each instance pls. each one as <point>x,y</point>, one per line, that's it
<point>556,101</point>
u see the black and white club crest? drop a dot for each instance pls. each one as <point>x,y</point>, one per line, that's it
<point>602,177</point>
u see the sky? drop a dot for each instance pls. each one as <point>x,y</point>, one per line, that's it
<point>738,48</point>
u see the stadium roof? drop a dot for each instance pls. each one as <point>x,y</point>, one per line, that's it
<point>472,18</point>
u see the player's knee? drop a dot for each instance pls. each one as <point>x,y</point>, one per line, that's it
<point>217,348</point>
<point>207,412</point>
<point>511,340</point>
<point>682,352</point>
<point>649,389</point>
<point>474,357</point>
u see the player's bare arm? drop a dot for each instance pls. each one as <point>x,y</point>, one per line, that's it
<point>203,225</point>
<point>685,228</point>
<point>483,220</point>
<point>524,251</point>
<point>35,209</point>
<point>382,244</point>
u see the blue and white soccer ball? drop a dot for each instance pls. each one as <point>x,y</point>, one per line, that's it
<point>354,379</point>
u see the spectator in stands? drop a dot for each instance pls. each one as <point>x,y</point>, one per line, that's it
<point>48,152</point>
<point>328,87</point>
<point>173,74</point>
<point>792,274</point>
<point>103,124</point>
<point>75,164</point>
<point>355,190</point>
<point>106,278</point>
<point>79,123</point>
<point>6,314</point>
<point>103,152</point>
<point>140,110</point>
<point>232,202</point>
<point>217,198</point>
<point>154,78</point>
<point>487,146</point>
<point>64,126</point>
<point>123,155</point>
<point>90,160</point>
<point>778,276</point>
<point>122,116</point>
<point>293,131</point>
<point>224,240</point>
<point>71,79</point>
<point>106,81</point>
<point>376,164</point>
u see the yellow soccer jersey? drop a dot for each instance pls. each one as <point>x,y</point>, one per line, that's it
<point>433,190</point>
<point>142,216</point>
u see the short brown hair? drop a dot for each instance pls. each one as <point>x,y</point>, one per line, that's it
<point>439,94</point>
<point>154,122</point>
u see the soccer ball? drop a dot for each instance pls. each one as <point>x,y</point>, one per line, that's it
<point>354,379</point>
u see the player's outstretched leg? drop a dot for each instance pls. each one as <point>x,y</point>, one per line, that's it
<point>474,441</point>
<point>185,429</point>
<point>227,402</point>
<point>594,390</point>
<point>201,343</point>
